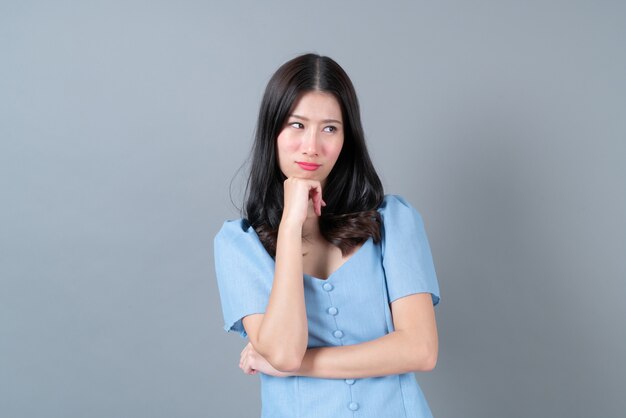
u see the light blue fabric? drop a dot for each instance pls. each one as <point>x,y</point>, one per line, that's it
<point>349,307</point>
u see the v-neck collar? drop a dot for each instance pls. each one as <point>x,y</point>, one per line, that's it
<point>345,264</point>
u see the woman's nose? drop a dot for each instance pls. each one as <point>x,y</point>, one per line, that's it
<point>309,145</point>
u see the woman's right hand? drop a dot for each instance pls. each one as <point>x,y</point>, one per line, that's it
<point>298,192</point>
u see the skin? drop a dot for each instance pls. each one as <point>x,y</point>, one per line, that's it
<point>278,338</point>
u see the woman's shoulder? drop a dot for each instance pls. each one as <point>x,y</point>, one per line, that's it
<point>398,214</point>
<point>238,240</point>
<point>234,230</point>
<point>393,203</point>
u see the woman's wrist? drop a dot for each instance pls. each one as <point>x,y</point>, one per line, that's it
<point>290,226</point>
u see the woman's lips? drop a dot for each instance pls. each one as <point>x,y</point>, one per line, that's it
<point>308,166</point>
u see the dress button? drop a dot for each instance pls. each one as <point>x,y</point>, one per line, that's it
<point>338,333</point>
<point>333,311</point>
<point>350,381</point>
<point>353,406</point>
<point>327,287</point>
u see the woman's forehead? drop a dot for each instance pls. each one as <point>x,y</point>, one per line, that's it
<point>318,106</point>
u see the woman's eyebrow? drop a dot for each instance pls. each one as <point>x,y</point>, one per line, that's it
<point>324,121</point>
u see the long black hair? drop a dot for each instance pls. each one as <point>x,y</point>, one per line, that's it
<point>353,191</point>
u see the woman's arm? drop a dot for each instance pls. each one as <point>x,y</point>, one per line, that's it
<point>280,335</point>
<point>413,346</point>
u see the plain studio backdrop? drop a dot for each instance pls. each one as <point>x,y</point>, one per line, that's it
<point>122,124</point>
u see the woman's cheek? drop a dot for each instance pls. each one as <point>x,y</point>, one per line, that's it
<point>288,142</point>
<point>333,150</point>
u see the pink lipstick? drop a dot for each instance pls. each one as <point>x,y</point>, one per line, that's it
<point>308,166</point>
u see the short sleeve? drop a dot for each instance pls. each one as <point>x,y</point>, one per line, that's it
<point>407,259</point>
<point>244,271</point>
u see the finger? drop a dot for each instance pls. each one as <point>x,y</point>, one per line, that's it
<point>317,199</point>
<point>244,355</point>
<point>245,367</point>
<point>249,370</point>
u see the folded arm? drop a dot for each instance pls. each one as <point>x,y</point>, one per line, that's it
<point>413,346</point>
<point>280,335</point>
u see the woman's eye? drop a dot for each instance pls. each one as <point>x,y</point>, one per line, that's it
<point>296,125</point>
<point>330,129</point>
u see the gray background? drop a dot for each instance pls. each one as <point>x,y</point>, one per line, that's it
<point>122,124</point>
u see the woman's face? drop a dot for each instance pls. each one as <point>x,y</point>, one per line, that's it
<point>311,139</point>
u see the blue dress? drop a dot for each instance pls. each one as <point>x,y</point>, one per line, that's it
<point>349,307</point>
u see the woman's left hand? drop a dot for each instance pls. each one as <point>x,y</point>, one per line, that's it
<point>252,362</point>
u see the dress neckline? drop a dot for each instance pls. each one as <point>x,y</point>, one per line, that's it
<point>345,263</point>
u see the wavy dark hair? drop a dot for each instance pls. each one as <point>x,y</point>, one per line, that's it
<point>353,191</point>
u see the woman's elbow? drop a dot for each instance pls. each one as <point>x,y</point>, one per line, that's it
<point>429,361</point>
<point>425,358</point>
<point>285,363</point>
<point>279,357</point>
<point>283,360</point>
